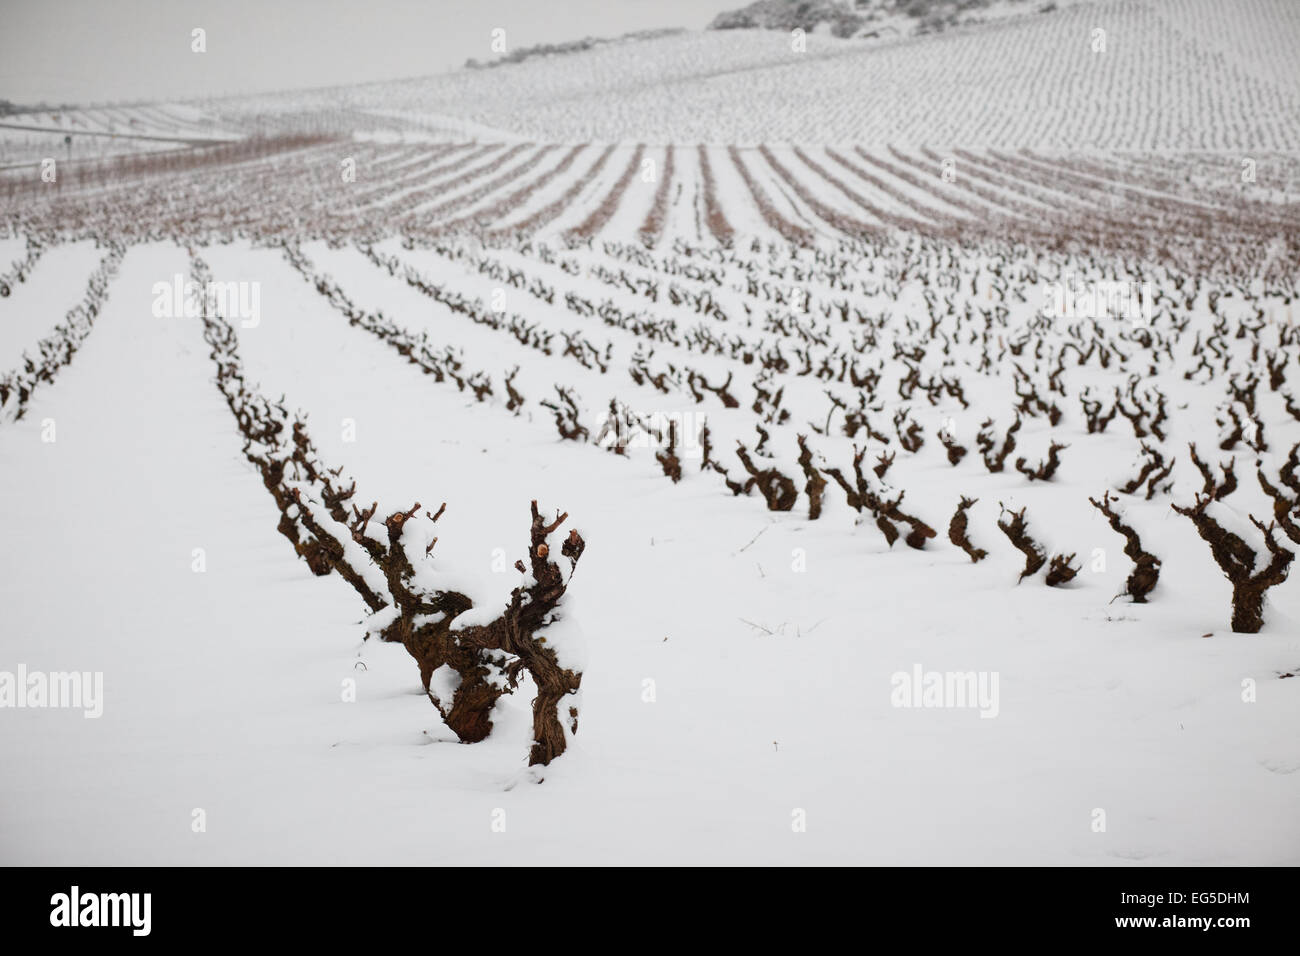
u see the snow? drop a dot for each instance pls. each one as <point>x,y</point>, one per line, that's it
<point>770,687</point>
<point>35,306</point>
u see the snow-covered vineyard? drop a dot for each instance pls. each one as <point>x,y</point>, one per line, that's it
<point>666,473</point>
<point>656,196</point>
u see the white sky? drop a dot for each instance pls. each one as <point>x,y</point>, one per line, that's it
<point>82,51</point>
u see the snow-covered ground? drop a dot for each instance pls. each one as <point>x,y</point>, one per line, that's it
<point>740,665</point>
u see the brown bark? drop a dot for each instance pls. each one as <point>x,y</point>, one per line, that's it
<point>1016,529</point>
<point>1146,566</point>
<point>1237,561</point>
<point>957,531</point>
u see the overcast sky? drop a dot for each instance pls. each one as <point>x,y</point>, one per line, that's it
<point>80,51</point>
